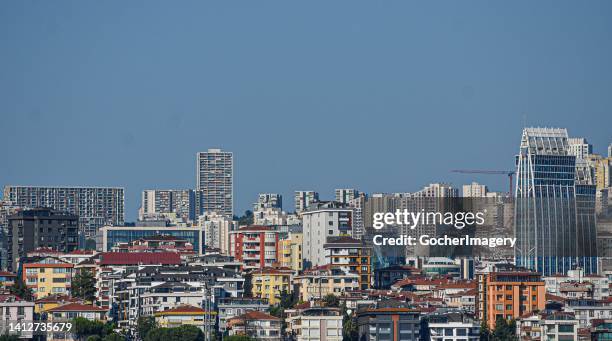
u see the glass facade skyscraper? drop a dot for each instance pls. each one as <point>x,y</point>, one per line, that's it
<point>555,202</point>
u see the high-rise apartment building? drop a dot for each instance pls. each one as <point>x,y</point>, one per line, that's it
<point>216,231</point>
<point>579,147</point>
<point>357,204</point>
<point>321,221</point>
<point>41,227</point>
<point>303,199</point>
<point>437,190</point>
<point>158,202</point>
<point>475,190</point>
<point>94,206</point>
<point>344,195</point>
<point>214,181</point>
<point>268,200</point>
<point>555,205</point>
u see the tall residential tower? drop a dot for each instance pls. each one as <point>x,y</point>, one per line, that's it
<point>215,183</point>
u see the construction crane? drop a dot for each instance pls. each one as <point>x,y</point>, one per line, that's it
<point>510,174</point>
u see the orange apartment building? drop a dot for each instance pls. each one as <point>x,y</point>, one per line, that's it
<point>350,255</point>
<point>509,294</point>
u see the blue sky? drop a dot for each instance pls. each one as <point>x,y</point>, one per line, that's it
<point>380,96</point>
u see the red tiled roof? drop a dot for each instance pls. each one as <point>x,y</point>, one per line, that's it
<point>255,315</point>
<point>57,298</point>
<point>7,274</point>
<point>77,307</point>
<point>269,270</point>
<point>188,309</point>
<point>7,297</point>
<point>137,258</point>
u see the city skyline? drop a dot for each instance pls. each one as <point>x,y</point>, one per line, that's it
<point>493,183</point>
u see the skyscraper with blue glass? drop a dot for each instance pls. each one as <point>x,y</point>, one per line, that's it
<point>555,205</point>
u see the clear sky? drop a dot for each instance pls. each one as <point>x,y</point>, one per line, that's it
<point>379,96</point>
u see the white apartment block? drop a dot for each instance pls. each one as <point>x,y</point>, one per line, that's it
<point>303,199</point>
<point>214,180</point>
<point>345,195</point>
<point>454,331</point>
<point>216,231</point>
<point>475,190</point>
<point>269,216</point>
<point>598,283</point>
<point>95,206</point>
<point>321,221</point>
<point>156,201</point>
<point>268,200</point>
<point>437,190</point>
<point>316,324</point>
<point>579,147</point>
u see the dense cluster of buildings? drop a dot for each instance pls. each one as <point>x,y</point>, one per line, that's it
<point>315,273</point>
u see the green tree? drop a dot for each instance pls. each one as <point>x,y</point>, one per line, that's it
<point>349,325</point>
<point>238,338</point>
<point>144,324</point>
<point>84,285</point>
<point>114,337</point>
<point>8,337</point>
<point>485,332</point>
<point>331,300</point>
<point>504,331</point>
<point>20,289</point>
<point>182,333</point>
<point>85,328</point>
<point>246,219</point>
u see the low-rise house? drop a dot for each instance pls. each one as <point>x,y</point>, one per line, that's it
<point>453,326</point>
<point>587,310</point>
<point>159,243</point>
<point>385,277</point>
<point>558,326</point>
<point>7,279</point>
<point>185,315</point>
<point>168,295</point>
<point>317,324</point>
<point>599,285</point>
<point>235,306</point>
<point>42,305</point>
<point>271,283</point>
<point>14,309</point>
<point>256,324</point>
<point>390,320</point>
<point>47,275</point>
<point>74,310</point>
<point>321,281</point>
<point>576,289</point>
